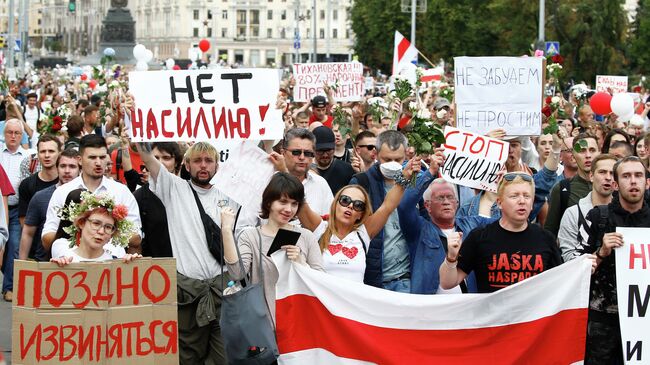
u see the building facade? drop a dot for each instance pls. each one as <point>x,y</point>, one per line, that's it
<point>246,32</point>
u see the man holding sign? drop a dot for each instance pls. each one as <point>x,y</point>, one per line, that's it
<point>628,210</point>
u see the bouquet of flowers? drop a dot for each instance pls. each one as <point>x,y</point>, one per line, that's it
<point>54,121</point>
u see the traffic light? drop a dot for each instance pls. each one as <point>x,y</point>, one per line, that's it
<point>72,6</point>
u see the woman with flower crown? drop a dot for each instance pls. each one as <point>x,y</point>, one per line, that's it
<point>96,220</point>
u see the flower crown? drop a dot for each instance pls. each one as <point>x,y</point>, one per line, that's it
<point>124,228</point>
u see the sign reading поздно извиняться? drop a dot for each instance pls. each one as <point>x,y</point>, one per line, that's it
<point>499,92</point>
<point>202,105</point>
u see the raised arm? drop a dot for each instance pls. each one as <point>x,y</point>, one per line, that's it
<point>308,218</point>
<point>149,161</point>
<point>450,274</point>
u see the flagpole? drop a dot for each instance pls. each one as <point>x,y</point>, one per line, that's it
<point>425,58</point>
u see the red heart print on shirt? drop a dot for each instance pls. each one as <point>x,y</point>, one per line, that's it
<point>350,252</point>
<point>334,248</point>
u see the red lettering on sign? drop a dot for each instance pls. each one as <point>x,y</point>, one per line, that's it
<point>56,302</point>
<point>187,124</point>
<point>200,117</point>
<point>170,329</point>
<point>152,125</point>
<point>38,287</point>
<point>63,340</point>
<point>34,339</point>
<point>52,339</point>
<point>85,343</point>
<point>120,286</point>
<point>448,146</point>
<point>103,286</point>
<point>640,255</point>
<point>82,285</point>
<point>147,278</point>
<point>164,114</point>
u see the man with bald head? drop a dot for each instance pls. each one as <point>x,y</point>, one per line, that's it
<point>428,237</point>
<point>585,118</point>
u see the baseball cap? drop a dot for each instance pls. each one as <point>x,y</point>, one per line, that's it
<point>440,103</point>
<point>324,138</point>
<point>319,101</point>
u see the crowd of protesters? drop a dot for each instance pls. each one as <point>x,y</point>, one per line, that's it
<point>75,189</point>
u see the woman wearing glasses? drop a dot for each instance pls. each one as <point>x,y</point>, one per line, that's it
<point>345,233</point>
<point>96,220</point>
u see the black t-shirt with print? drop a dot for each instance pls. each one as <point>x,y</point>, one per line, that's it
<point>500,257</point>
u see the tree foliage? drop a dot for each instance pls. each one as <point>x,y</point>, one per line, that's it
<point>592,33</point>
<point>639,54</point>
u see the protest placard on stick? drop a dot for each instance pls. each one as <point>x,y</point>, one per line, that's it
<point>615,84</point>
<point>347,76</point>
<point>473,160</point>
<point>201,105</point>
<point>95,312</point>
<point>633,292</point>
<point>499,92</point>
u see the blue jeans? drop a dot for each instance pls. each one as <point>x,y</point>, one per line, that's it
<point>398,285</point>
<point>11,250</point>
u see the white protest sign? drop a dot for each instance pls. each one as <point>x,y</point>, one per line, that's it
<point>348,76</point>
<point>244,176</point>
<point>473,160</point>
<point>617,84</point>
<point>499,92</point>
<point>202,105</point>
<point>633,292</point>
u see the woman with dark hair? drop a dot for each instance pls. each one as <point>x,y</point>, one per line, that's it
<point>346,233</point>
<point>640,148</point>
<point>96,220</point>
<point>281,201</point>
<point>615,135</point>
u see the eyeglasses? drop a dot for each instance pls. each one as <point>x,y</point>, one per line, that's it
<point>369,147</point>
<point>97,224</point>
<point>307,153</point>
<point>14,133</point>
<point>512,175</point>
<point>441,199</point>
<point>357,205</point>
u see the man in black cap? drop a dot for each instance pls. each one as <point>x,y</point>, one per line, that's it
<point>320,110</point>
<point>336,172</point>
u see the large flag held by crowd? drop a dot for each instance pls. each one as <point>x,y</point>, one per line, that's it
<point>322,320</point>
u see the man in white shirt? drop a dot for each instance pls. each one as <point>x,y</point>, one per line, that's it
<point>298,152</point>
<point>10,157</point>
<point>94,155</point>
<point>31,114</point>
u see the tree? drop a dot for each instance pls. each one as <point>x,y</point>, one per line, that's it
<point>640,39</point>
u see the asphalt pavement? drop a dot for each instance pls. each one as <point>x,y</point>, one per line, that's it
<point>5,328</point>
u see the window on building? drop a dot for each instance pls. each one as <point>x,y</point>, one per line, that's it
<point>210,32</point>
<point>269,33</point>
<point>270,57</point>
<point>347,33</point>
<point>322,14</point>
<point>224,32</point>
<point>283,15</point>
<point>254,58</point>
<point>269,15</point>
<point>224,14</point>
<point>209,14</point>
<point>239,56</point>
<point>195,32</point>
<point>196,14</point>
<point>308,33</point>
<point>241,23</point>
<point>255,23</point>
<point>322,33</point>
<point>335,33</point>
<point>283,33</point>
<point>335,15</point>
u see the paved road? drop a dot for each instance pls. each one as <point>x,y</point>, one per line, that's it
<point>5,328</point>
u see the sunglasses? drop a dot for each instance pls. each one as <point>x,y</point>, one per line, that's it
<point>369,147</point>
<point>357,205</point>
<point>307,153</point>
<point>512,175</point>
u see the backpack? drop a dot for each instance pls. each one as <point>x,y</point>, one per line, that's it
<point>38,110</point>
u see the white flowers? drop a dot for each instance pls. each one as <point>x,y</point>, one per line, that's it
<point>553,67</point>
<point>424,114</point>
<point>555,100</point>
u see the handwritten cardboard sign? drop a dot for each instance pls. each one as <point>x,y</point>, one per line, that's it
<point>499,92</point>
<point>473,160</point>
<point>311,76</point>
<point>617,84</point>
<point>201,105</point>
<point>633,291</point>
<point>96,312</point>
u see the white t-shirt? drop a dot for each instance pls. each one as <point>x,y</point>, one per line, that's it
<point>345,258</point>
<point>318,193</point>
<point>61,248</point>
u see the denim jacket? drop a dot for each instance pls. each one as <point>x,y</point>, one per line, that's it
<point>425,239</point>
<point>544,181</point>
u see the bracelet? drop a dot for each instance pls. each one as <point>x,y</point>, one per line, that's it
<point>400,180</point>
<point>449,265</point>
<point>599,255</point>
<point>451,261</point>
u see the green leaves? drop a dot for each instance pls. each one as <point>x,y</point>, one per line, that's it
<point>424,135</point>
<point>580,145</point>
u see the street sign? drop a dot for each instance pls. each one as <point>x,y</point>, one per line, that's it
<point>552,48</point>
<point>296,45</point>
<point>17,45</point>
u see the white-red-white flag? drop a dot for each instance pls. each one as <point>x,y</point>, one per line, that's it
<point>404,53</point>
<point>432,74</point>
<point>322,319</point>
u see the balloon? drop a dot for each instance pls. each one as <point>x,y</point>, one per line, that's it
<point>148,55</point>
<point>176,67</point>
<point>92,84</point>
<point>600,103</point>
<point>622,104</point>
<point>204,45</point>
<point>77,71</point>
<point>626,117</point>
<point>139,52</point>
<point>109,52</point>
<point>84,77</point>
<point>170,63</point>
<point>141,66</point>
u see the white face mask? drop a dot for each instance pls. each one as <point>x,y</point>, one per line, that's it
<point>390,169</point>
<point>441,113</point>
